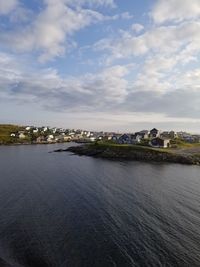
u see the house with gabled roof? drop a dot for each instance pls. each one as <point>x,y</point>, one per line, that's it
<point>160,142</point>
<point>154,133</point>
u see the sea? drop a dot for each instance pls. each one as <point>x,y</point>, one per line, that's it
<point>60,210</point>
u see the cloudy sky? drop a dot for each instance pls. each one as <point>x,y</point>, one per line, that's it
<point>101,64</point>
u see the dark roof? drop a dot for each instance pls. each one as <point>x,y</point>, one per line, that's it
<point>153,130</point>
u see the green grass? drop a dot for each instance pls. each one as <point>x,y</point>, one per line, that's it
<point>180,145</point>
<point>127,147</point>
<point>6,130</point>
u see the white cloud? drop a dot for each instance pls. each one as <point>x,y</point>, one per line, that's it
<point>107,92</point>
<point>126,15</point>
<point>6,6</point>
<point>168,41</point>
<point>165,71</point>
<point>108,3</point>
<point>136,27</point>
<point>175,10</point>
<point>46,85</point>
<point>49,34</point>
<point>163,52</point>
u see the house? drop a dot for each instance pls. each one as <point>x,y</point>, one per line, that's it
<point>72,134</point>
<point>172,134</point>
<point>35,130</point>
<point>164,134</point>
<point>124,139</point>
<point>21,135</point>
<point>160,142</point>
<point>169,135</point>
<point>67,138</point>
<point>40,139</point>
<point>114,138</point>
<point>77,136</point>
<point>142,135</point>
<point>54,130</point>
<point>192,138</point>
<point>109,137</point>
<point>28,128</point>
<point>136,139</point>
<point>92,139</point>
<point>45,128</point>
<point>59,138</point>
<point>100,137</point>
<point>88,134</point>
<point>154,133</point>
<point>50,138</point>
<point>196,138</point>
<point>182,134</point>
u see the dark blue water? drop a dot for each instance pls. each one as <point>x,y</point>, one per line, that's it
<point>61,210</point>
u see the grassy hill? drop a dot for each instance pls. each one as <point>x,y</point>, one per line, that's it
<point>6,130</point>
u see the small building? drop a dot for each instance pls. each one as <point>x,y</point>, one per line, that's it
<point>160,142</point>
<point>172,134</point>
<point>50,138</point>
<point>22,135</point>
<point>59,138</point>
<point>45,128</point>
<point>28,128</point>
<point>142,135</point>
<point>109,137</point>
<point>136,139</point>
<point>92,139</point>
<point>40,139</point>
<point>67,138</point>
<point>114,138</point>
<point>124,139</point>
<point>100,137</point>
<point>72,134</point>
<point>169,135</point>
<point>13,135</point>
<point>154,133</point>
<point>78,136</point>
<point>35,130</point>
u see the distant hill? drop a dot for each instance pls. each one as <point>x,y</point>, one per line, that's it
<point>6,130</point>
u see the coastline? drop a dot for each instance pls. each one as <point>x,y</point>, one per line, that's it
<point>32,143</point>
<point>132,153</point>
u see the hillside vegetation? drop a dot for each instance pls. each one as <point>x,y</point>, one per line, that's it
<point>131,152</point>
<point>6,130</point>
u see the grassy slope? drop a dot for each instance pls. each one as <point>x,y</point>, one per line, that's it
<point>132,152</point>
<point>181,149</point>
<point>6,130</point>
<point>180,145</point>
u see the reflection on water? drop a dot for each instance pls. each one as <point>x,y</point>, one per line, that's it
<point>60,210</point>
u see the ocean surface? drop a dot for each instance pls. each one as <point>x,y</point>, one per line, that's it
<point>60,210</point>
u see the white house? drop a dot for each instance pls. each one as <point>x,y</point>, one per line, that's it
<point>45,129</point>
<point>50,138</point>
<point>67,138</point>
<point>92,139</point>
<point>59,138</point>
<point>35,130</point>
<point>160,142</point>
<point>22,135</point>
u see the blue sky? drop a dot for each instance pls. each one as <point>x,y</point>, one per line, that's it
<point>100,64</point>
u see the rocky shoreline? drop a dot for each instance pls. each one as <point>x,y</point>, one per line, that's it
<point>132,153</point>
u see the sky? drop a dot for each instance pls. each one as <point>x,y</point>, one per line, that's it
<point>111,65</point>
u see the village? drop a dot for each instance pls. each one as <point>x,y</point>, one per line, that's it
<point>153,137</point>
